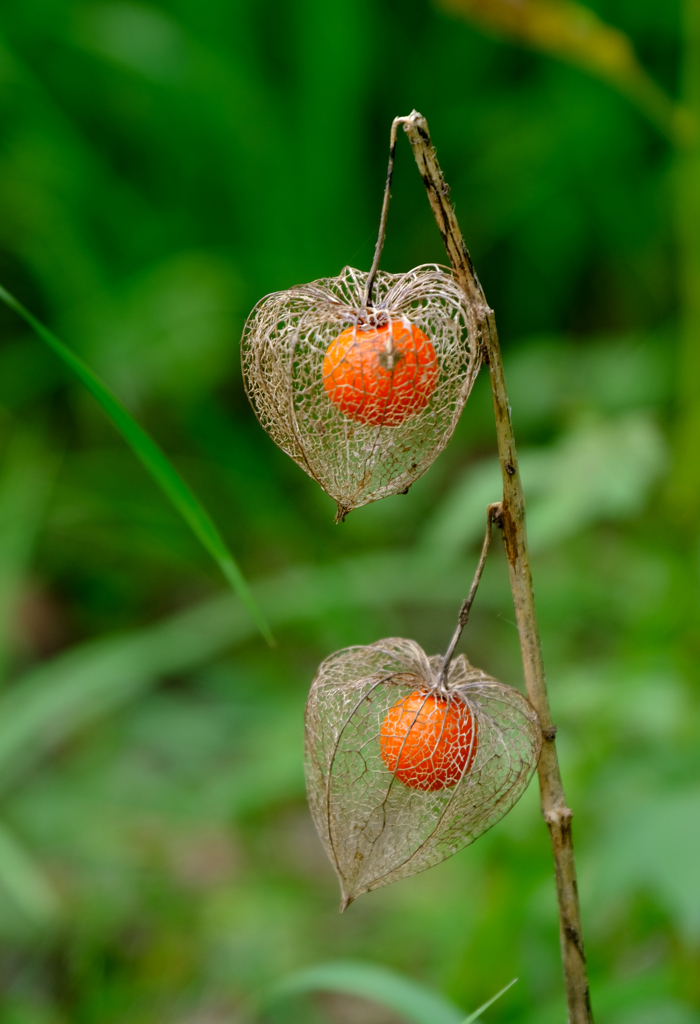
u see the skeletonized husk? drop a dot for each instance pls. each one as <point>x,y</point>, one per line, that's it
<point>283,347</point>
<point>374,828</point>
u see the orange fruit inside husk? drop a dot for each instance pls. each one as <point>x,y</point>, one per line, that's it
<point>429,741</point>
<point>380,375</point>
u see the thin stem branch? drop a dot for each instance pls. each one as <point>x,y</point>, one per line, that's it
<point>512,522</point>
<point>492,512</point>
<point>382,220</point>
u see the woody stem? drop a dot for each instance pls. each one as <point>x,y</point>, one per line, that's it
<point>492,512</point>
<point>512,522</point>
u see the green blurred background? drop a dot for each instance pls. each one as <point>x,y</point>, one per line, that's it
<point>164,165</point>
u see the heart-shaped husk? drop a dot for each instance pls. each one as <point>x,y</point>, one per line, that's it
<point>285,343</point>
<point>375,828</point>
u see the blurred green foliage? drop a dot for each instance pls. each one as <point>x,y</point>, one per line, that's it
<point>162,166</point>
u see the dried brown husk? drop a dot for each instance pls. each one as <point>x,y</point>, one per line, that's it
<point>374,828</point>
<point>283,347</point>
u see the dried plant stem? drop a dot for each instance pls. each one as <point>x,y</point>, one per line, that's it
<point>382,220</point>
<point>512,522</point>
<point>492,512</point>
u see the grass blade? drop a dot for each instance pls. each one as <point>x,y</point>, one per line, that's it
<point>153,459</point>
<point>405,997</point>
<point>490,1002</point>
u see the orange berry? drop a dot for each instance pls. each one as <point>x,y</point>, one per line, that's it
<point>380,376</point>
<point>428,741</point>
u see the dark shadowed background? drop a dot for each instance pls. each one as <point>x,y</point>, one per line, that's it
<point>164,165</point>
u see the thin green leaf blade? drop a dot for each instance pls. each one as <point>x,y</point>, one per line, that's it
<point>405,997</point>
<point>154,461</point>
<point>489,1002</point>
